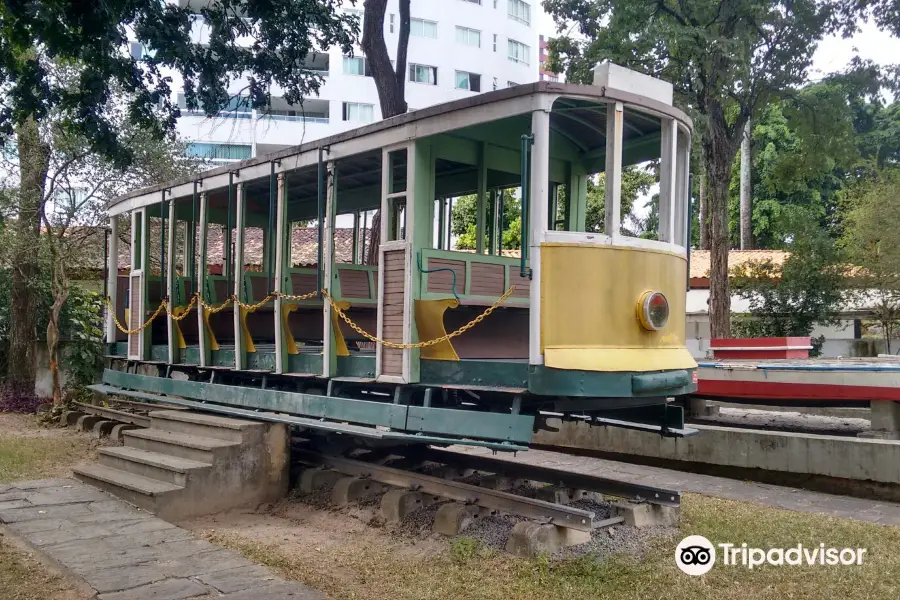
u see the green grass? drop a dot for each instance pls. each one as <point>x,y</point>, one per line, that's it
<point>29,453</point>
<point>34,458</point>
<point>379,572</point>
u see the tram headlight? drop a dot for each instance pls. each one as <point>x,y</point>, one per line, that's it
<point>653,311</point>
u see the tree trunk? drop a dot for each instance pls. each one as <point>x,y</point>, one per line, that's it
<point>389,81</point>
<point>704,212</point>
<point>34,159</point>
<point>60,290</point>
<point>719,158</point>
<point>746,198</point>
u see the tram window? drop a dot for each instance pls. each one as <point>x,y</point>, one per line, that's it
<point>136,236</point>
<point>395,194</point>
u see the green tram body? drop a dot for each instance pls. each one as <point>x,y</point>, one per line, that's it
<point>571,340</point>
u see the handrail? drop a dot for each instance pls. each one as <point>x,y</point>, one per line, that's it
<point>527,142</point>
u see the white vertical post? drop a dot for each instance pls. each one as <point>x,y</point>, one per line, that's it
<point>238,276</point>
<point>329,365</point>
<point>668,181</point>
<point>614,126</point>
<point>112,279</point>
<point>281,213</point>
<point>537,218</point>
<point>170,283</point>
<point>198,286</point>
<point>683,195</point>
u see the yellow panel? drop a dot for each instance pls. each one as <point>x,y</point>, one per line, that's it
<point>619,359</point>
<point>589,297</point>
<point>248,339</point>
<point>430,325</point>
<point>289,342</point>
<point>213,342</point>
<point>340,345</point>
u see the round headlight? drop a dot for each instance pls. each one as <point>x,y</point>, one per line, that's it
<point>653,311</point>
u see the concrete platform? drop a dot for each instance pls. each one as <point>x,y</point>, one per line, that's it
<point>861,467</point>
<point>124,553</point>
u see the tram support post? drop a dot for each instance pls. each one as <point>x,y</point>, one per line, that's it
<point>174,350</point>
<point>281,249</point>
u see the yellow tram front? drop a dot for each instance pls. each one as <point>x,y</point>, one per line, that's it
<point>607,308</point>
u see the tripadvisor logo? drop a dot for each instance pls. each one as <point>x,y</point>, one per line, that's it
<point>696,555</point>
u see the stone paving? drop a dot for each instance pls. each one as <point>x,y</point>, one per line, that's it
<point>125,553</point>
<point>886,513</point>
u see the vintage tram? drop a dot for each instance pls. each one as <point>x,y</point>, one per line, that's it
<point>422,344</point>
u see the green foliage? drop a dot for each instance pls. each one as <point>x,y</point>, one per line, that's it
<point>791,299</point>
<point>466,549</point>
<point>636,182</point>
<point>80,327</point>
<point>95,44</point>
<point>873,244</point>
<point>464,215</point>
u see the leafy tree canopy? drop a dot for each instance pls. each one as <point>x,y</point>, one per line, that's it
<point>260,42</point>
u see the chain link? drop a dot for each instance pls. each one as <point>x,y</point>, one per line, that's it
<point>252,307</point>
<point>443,338</point>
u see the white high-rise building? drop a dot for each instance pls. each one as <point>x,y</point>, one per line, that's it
<point>456,48</point>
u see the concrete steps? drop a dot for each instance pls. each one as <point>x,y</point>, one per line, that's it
<point>187,464</point>
<point>143,492</point>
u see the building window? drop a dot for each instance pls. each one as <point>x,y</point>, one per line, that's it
<point>495,42</point>
<point>358,112</point>
<point>519,11</point>
<point>518,52</point>
<point>423,74</point>
<point>468,81</point>
<point>140,52</point>
<point>392,22</point>
<point>423,28</point>
<point>495,83</point>
<point>473,1</point>
<point>468,37</point>
<point>356,65</point>
<point>511,84</point>
<point>219,152</point>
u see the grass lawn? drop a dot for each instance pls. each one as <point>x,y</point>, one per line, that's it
<point>375,572</point>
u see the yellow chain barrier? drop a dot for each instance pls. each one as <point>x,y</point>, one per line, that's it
<point>252,307</point>
<point>443,338</point>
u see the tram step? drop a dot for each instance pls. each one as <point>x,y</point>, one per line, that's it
<point>182,445</point>
<point>202,425</point>
<point>143,492</point>
<point>162,467</point>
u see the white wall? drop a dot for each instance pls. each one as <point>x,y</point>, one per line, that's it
<point>490,18</point>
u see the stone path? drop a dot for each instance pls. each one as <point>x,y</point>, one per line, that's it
<point>125,553</point>
<point>886,513</point>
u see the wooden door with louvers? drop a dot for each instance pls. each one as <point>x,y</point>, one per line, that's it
<point>393,311</point>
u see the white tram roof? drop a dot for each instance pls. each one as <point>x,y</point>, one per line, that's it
<point>575,118</point>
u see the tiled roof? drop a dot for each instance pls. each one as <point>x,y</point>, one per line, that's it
<point>700,261</point>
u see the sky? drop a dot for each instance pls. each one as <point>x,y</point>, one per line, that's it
<point>833,54</point>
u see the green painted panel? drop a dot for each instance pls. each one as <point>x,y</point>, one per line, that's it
<point>661,382</point>
<point>119,349</point>
<point>261,360</point>
<point>191,355</point>
<point>356,365</point>
<point>475,372</point>
<point>305,363</point>
<point>466,423</point>
<point>159,352</point>
<point>545,381</point>
<point>324,407</point>
<point>222,358</point>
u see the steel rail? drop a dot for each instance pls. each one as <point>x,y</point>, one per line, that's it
<point>580,481</point>
<point>564,516</point>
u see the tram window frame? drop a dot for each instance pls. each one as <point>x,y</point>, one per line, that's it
<point>396,188</point>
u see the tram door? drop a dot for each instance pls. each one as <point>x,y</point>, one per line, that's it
<point>137,297</point>
<point>394,260</point>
